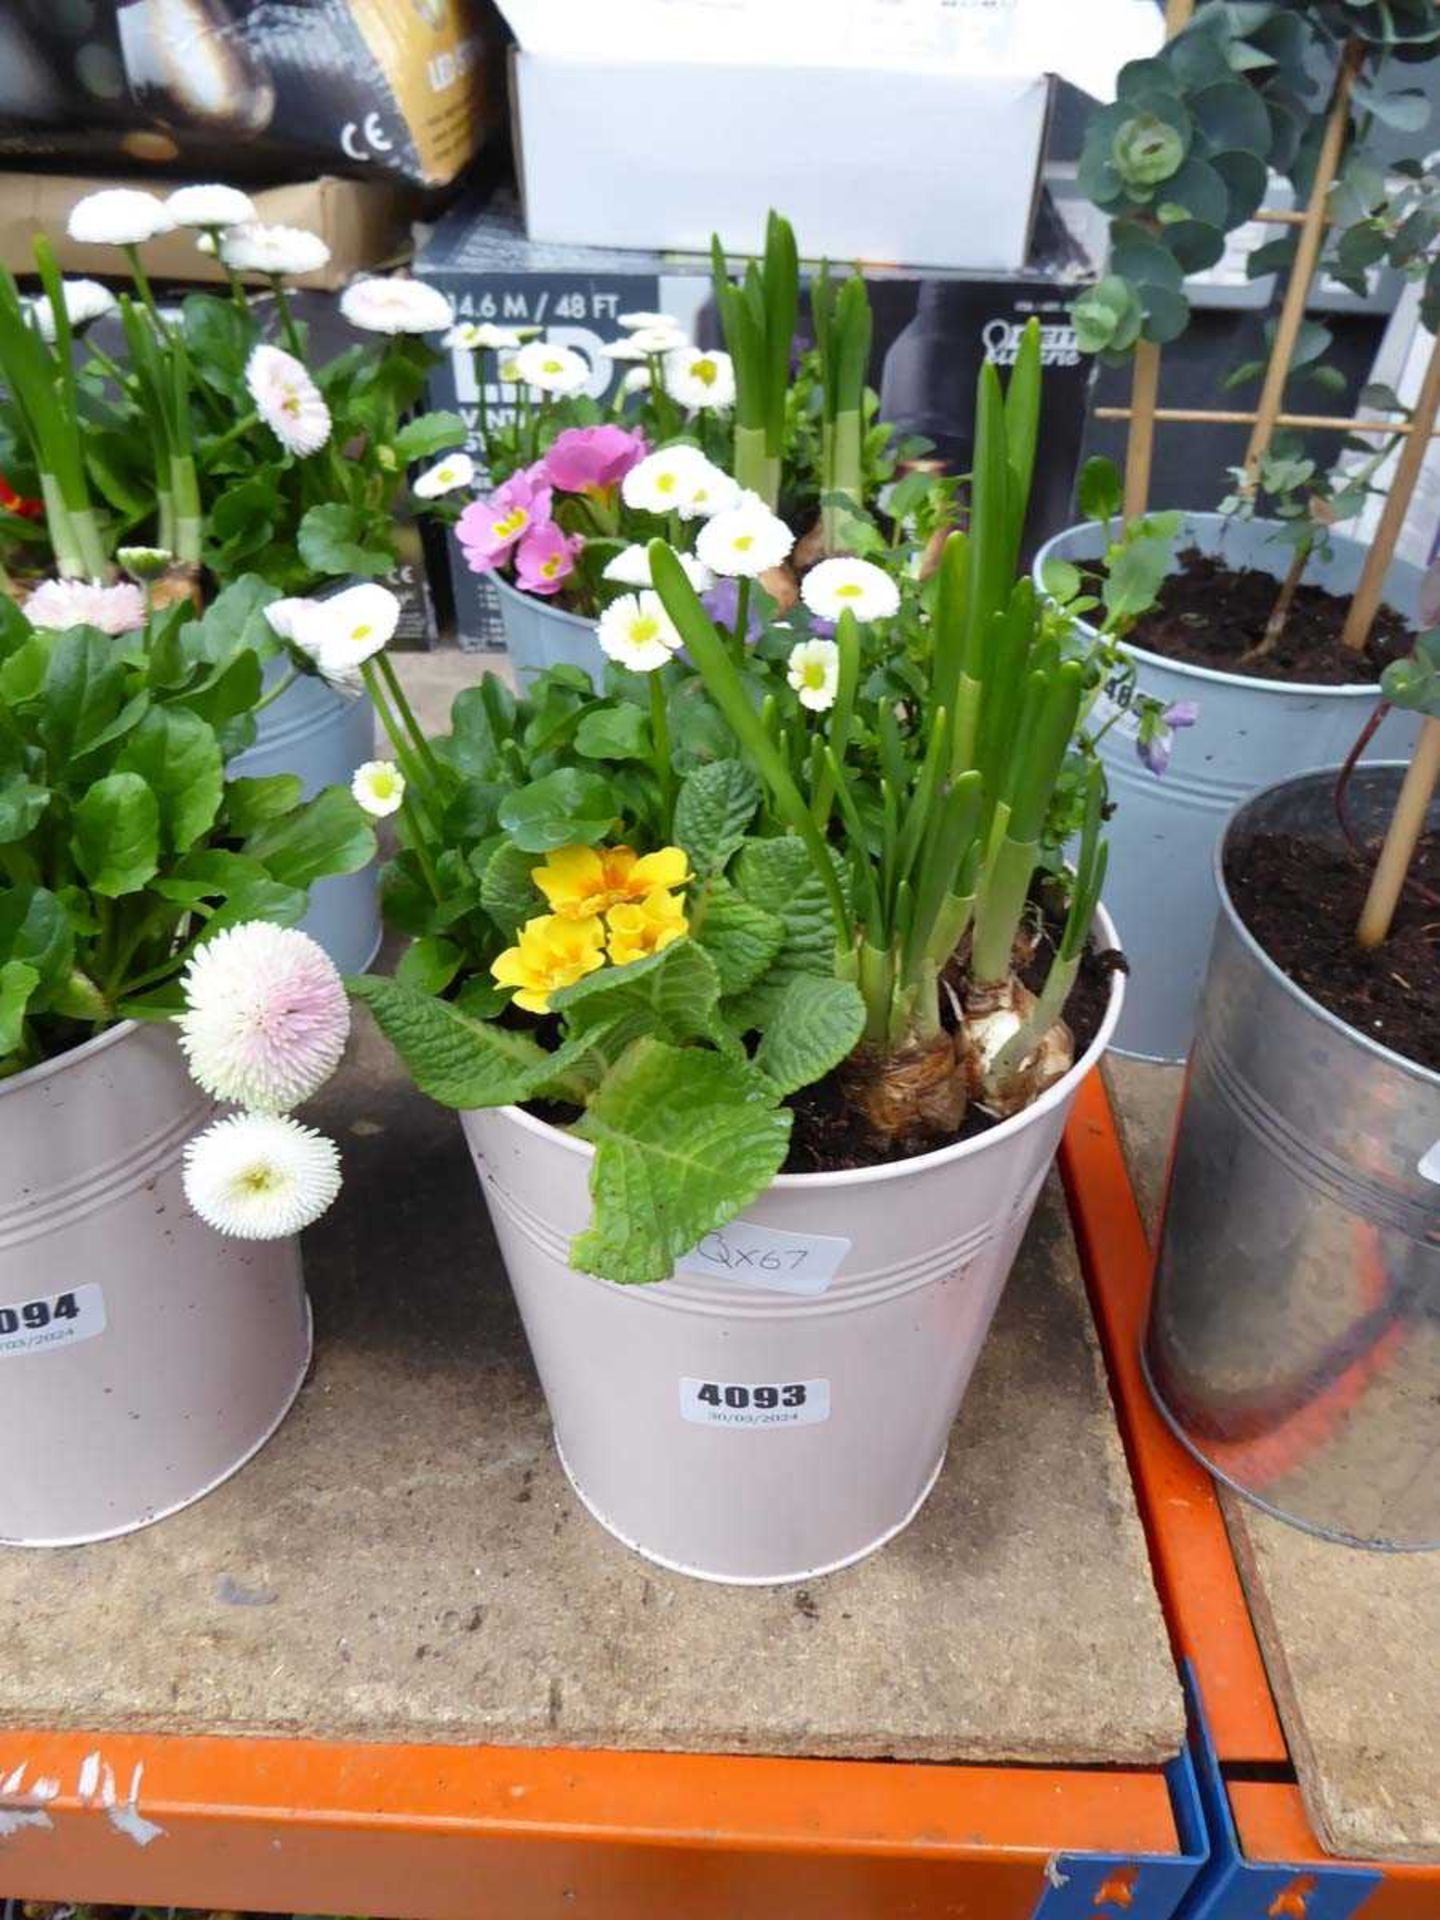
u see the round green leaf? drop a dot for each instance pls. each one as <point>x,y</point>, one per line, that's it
<point>565,808</point>
<point>1245,180</point>
<point>1231,117</point>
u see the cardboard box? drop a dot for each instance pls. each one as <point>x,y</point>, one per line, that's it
<point>932,330</point>
<point>885,132</point>
<point>251,89</point>
<point>365,224</point>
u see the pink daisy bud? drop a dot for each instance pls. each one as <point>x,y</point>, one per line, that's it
<point>266,1017</point>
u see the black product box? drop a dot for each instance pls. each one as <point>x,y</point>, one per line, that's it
<point>932,330</point>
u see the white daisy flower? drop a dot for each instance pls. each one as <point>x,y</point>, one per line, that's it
<point>814,672</point>
<point>85,300</point>
<point>835,586</point>
<point>261,1176</point>
<point>273,250</point>
<point>665,481</point>
<point>699,380</point>
<point>474,335</point>
<point>396,305</point>
<point>636,630</point>
<point>637,380</point>
<point>659,340</point>
<point>57,605</point>
<point>117,217</point>
<point>712,491</point>
<point>455,470</point>
<point>379,786</point>
<point>281,616</point>
<point>206,243</point>
<point>633,322</point>
<point>211,206</point>
<point>507,370</point>
<point>557,370</point>
<point>632,569</point>
<point>266,1016</point>
<point>287,400</point>
<point>744,541</point>
<point>625,349</point>
<point>344,631</point>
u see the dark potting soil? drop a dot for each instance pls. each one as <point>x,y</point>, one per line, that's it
<point>828,1136</point>
<point>1211,615</point>
<point>1302,901</point>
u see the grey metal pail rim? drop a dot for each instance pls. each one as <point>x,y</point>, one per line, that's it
<point>541,604</point>
<point>1351,690</point>
<point>1426,1075</point>
<point>72,1057</point>
<point>1335,1535</point>
<point>919,1162</point>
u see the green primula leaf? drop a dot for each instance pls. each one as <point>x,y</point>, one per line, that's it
<point>815,1026</point>
<point>507,892</point>
<point>459,1061</point>
<point>713,811</point>
<point>614,733</point>
<point>683,1139</point>
<point>17,982</point>
<point>178,757</point>
<point>777,875</point>
<point>335,538</point>
<point>116,838</point>
<point>253,803</point>
<point>429,433</point>
<point>741,938</point>
<point>429,964</point>
<point>565,808</point>
<point>329,834</point>
<point>35,928</point>
<point>672,994</point>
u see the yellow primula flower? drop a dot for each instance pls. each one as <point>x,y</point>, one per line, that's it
<point>551,953</point>
<point>582,881</point>
<point>646,926</point>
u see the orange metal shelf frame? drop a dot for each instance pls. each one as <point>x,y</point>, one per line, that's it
<point>451,1833</point>
<point>1199,1583</point>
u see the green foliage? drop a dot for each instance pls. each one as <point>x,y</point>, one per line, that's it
<point>121,843</point>
<point>1414,683</point>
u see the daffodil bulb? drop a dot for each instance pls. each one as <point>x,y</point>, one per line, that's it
<point>637,632</point>
<point>211,206</point>
<point>553,369</point>
<point>287,400</point>
<point>813,670</point>
<point>266,1016</point>
<point>744,541</point>
<point>260,1176</point>
<point>85,300</point>
<point>379,787</point>
<point>117,217</point>
<point>455,470</point>
<point>475,336</point>
<point>274,251</point>
<point>631,568</point>
<point>700,381</point>
<point>396,305</point>
<point>344,631</point>
<point>843,585</point>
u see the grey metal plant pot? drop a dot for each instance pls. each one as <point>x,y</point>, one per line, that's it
<point>540,635</point>
<point>1163,834</point>
<point>323,737</point>
<point>1294,1336</point>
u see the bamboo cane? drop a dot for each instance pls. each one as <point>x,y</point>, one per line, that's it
<point>1307,254</point>
<point>1371,585</point>
<point>1218,417</point>
<point>1407,823</point>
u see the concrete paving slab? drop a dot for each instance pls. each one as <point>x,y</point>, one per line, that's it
<point>406,1561</point>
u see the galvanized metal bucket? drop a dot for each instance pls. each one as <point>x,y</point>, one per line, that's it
<point>1163,834</point>
<point>323,737</point>
<point>1294,1337</point>
<point>781,1405</point>
<point>143,1357</point>
<point>539,635</point>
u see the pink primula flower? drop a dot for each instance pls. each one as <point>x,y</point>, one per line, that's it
<point>545,559</point>
<point>589,459</point>
<point>489,530</point>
